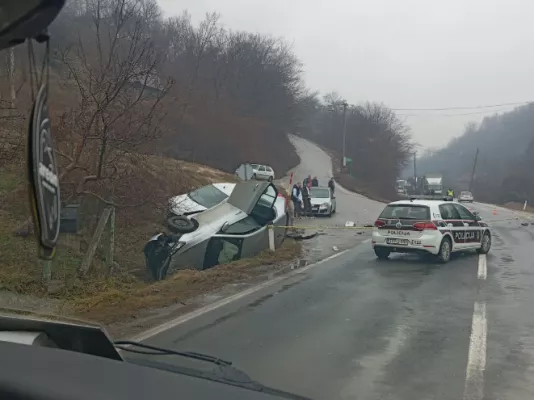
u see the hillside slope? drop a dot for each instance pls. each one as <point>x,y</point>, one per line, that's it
<point>504,170</point>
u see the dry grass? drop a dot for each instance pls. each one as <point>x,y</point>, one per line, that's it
<point>100,297</point>
<point>518,207</point>
<point>114,300</point>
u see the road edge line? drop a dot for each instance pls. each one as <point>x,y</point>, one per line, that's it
<point>227,300</point>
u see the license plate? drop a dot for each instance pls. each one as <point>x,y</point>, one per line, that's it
<point>397,241</point>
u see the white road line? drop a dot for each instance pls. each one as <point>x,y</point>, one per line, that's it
<point>476,363</point>
<point>482,267</point>
<point>227,300</point>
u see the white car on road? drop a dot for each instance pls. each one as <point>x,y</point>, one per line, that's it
<point>466,196</point>
<point>262,172</point>
<point>323,201</point>
<point>429,226</point>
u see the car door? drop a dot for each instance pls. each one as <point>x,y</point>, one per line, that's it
<point>269,172</point>
<point>262,172</point>
<point>473,230</point>
<point>454,223</point>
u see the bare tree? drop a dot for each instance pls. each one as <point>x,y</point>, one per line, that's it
<point>113,65</point>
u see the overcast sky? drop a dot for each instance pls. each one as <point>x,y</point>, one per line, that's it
<point>404,53</point>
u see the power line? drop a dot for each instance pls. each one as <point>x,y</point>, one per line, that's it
<point>456,114</point>
<point>461,108</point>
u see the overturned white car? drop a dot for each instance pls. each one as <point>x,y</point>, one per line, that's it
<point>233,229</point>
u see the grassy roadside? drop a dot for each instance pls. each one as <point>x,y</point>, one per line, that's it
<point>122,295</point>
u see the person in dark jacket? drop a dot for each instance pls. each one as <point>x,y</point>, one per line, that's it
<point>306,201</point>
<point>315,181</point>
<point>296,197</point>
<point>332,185</point>
<point>307,181</point>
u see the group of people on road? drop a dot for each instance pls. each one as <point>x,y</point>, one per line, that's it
<point>300,195</point>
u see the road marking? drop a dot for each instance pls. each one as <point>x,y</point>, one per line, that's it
<point>476,362</point>
<point>227,300</point>
<point>482,267</point>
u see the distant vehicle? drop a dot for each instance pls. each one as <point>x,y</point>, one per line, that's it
<point>323,201</point>
<point>262,172</point>
<point>233,229</point>
<point>200,199</point>
<point>401,186</point>
<point>466,196</point>
<point>433,184</point>
<point>429,227</point>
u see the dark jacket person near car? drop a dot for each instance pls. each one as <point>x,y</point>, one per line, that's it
<point>306,201</point>
<point>307,181</point>
<point>296,197</point>
<point>332,185</point>
<point>315,182</point>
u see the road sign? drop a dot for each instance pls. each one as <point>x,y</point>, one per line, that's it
<point>244,172</point>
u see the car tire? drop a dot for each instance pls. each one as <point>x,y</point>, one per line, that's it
<point>181,224</point>
<point>254,177</point>
<point>445,250</point>
<point>270,179</point>
<point>382,253</point>
<point>485,244</point>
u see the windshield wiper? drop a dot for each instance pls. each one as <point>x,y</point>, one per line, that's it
<point>160,351</point>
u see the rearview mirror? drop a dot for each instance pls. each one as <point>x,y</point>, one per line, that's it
<point>21,20</point>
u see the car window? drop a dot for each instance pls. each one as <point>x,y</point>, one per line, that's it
<point>207,196</point>
<point>255,166</point>
<point>222,251</point>
<point>464,212</point>
<point>319,193</point>
<point>243,227</point>
<point>466,193</point>
<point>448,211</point>
<point>262,168</point>
<point>405,211</point>
<point>269,169</point>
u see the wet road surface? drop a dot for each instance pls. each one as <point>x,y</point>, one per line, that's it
<point>350,206</point>
<point>352,327</point>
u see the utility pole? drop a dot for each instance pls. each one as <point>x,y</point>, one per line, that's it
<point>12,77</point>
<point>473,172</point>
<point>414,165</point>
<point>344,132</point>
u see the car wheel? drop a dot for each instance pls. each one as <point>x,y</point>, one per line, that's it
<point>445,250</point>
<point>254,177</point>
<point>485,244</point>
<point>270,179</point>
<point>382,253</point>
<point>181,224</point>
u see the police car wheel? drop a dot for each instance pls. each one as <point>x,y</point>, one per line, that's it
<point>382,253</point>
<point>485,244</point>
<point>444,254</point>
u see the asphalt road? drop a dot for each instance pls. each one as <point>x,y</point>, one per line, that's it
<point>352,327</point>
<point>350,206</point>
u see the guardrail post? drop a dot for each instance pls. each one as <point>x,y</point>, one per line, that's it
<point>271,238</point>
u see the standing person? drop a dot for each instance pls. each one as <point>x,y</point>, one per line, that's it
<point>307,181</point>
<point>315,181</point>
<point>332,185</point>
<point>306,201</point>
<point>296,197</point>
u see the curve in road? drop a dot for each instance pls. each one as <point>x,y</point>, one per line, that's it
<point>408,328</point>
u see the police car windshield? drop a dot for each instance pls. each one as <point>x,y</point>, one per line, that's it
<point>405,211</point>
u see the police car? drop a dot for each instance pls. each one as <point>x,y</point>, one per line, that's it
<point>429,226</point>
